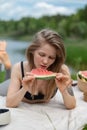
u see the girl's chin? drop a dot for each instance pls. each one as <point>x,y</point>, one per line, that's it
<point>42,67</point>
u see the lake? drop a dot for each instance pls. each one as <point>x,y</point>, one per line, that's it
<point>14,49</point>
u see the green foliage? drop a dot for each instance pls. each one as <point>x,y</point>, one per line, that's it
<point>82,13</point>
<point>62,27</point>
<point>85,127</point>
<point>2,76</point>
<point>74,76</point>
<point>78,29</point>
<point>72,26</point>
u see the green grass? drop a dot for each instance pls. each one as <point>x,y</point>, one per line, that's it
<point>76,53</point>
<point>85,127</point>
<point>2,76</point>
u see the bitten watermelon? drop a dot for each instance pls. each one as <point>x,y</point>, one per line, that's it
<point>43,74</point>
<point>82,75</point>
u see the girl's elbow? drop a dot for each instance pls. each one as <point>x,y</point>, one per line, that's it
<point>71,106</point>
<point>10,104</point>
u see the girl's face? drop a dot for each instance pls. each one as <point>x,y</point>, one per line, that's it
<point>44,56</point>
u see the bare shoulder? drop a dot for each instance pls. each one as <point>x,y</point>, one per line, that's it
<point>26,66</point>
<point>17,66</point>
<point>65,69</point>
<point>16,69</point>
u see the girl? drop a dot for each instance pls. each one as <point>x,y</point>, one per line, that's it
<point>46,52</point>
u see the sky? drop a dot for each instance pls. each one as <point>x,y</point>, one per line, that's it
<point>17,9</point>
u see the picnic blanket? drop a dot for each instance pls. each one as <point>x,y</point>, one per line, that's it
<point>48,116</point>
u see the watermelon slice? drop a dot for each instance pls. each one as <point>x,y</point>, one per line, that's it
<point>43,74</point>
<point>82,75</point>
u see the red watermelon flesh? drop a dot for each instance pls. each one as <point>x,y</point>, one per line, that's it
<point>43,74</point>
<point>84,73</point>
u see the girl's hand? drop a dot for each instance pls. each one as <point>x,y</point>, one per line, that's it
<point>63,81</point>
<point>28,80</point>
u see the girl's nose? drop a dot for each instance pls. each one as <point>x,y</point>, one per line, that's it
<point>45,60</point>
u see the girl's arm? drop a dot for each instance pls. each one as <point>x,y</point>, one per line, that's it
<point>69,99</point>
<point>64,83</point>
<point>15,93</point>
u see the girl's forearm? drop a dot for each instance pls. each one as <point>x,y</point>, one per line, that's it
<point>69,100</point>
<point>15,99</point>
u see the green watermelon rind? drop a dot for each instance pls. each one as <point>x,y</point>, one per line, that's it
<point>81,76</point>
<point>45,77</point>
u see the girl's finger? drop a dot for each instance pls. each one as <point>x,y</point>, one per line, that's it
<point>28,74</point>
<point>27,78</point>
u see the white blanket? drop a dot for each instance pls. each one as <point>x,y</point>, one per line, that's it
<point>48,116</point>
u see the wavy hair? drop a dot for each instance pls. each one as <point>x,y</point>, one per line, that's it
<point>48,36</point>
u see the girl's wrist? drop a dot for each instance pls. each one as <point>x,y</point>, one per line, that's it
<point>68,90</point>
<point>64,92</point>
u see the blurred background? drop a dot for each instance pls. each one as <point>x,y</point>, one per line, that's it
<point>21,19</point>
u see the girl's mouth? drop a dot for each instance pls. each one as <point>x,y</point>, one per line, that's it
<point>43,67</point>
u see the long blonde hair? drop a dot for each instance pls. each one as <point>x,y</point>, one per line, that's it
<point>47,36</point>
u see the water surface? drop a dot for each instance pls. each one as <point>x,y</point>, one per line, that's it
<point>15,48</point>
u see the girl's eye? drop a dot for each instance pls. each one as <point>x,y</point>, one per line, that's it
<point>41,54</point>
<point>53,58</point>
